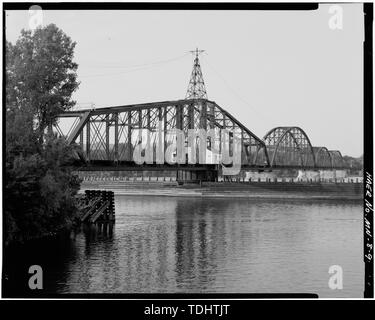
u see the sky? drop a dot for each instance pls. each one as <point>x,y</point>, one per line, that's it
<point>267,68</point>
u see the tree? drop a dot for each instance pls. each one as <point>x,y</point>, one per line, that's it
<point>354,163</point>
<point>41,75</point>
<point>39,188</point>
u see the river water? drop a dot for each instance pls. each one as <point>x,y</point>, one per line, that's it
<point>194,245</point>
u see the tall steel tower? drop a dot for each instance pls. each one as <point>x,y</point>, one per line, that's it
<point>196,88</point>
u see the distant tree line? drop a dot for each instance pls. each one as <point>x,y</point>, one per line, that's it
<point>355,164</point>
<point>39,191</point>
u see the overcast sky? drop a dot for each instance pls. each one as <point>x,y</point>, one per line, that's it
<point>268,69</point>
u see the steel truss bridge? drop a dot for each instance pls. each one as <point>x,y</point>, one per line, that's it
<point>106,137</point>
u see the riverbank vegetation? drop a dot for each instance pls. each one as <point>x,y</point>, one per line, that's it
<point>39,189</point>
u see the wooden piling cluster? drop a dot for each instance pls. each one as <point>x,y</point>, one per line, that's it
<point>101,206</point>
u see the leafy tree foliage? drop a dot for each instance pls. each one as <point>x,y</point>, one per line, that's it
<point>355,164</point>
<point>39,188</point>
<point>41,74</point>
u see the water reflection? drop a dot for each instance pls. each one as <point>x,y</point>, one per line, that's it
<point>161,244</point>
<point>197,242</point>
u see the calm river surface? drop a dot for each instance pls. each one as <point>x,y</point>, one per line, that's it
<point>193,245</point>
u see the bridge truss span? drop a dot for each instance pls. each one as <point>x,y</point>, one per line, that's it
<point>337,159</point>
<point>323,157</point>
<point>289,146</point>
<point>111,134</point>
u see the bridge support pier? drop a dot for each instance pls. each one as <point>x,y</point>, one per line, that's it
<point>186,175</point>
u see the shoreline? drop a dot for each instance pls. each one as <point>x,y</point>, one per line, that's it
<point>245,190</point>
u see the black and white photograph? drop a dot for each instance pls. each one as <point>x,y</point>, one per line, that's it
<point>187,149</point>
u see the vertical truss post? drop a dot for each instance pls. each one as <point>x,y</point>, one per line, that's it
<point>88,140</point>
<point>140,125</point>
<point>129,155</point>
<point>179,115</point>
<point>160,114</point>
<point>116,136</point>
<point>165,116</point>
<point>107,126</point>
<point>203,119</point>
<point>162,119</point>
<point>211,116</point>
<point>148,124</point>
<point>224,127</point>
<point>140,119</point>
<point>149,119</point>
<point>191,116</point>
<point>243,153</point>
<point>81,139</point>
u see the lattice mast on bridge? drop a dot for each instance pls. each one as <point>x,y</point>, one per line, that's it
<point>196,88</point>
